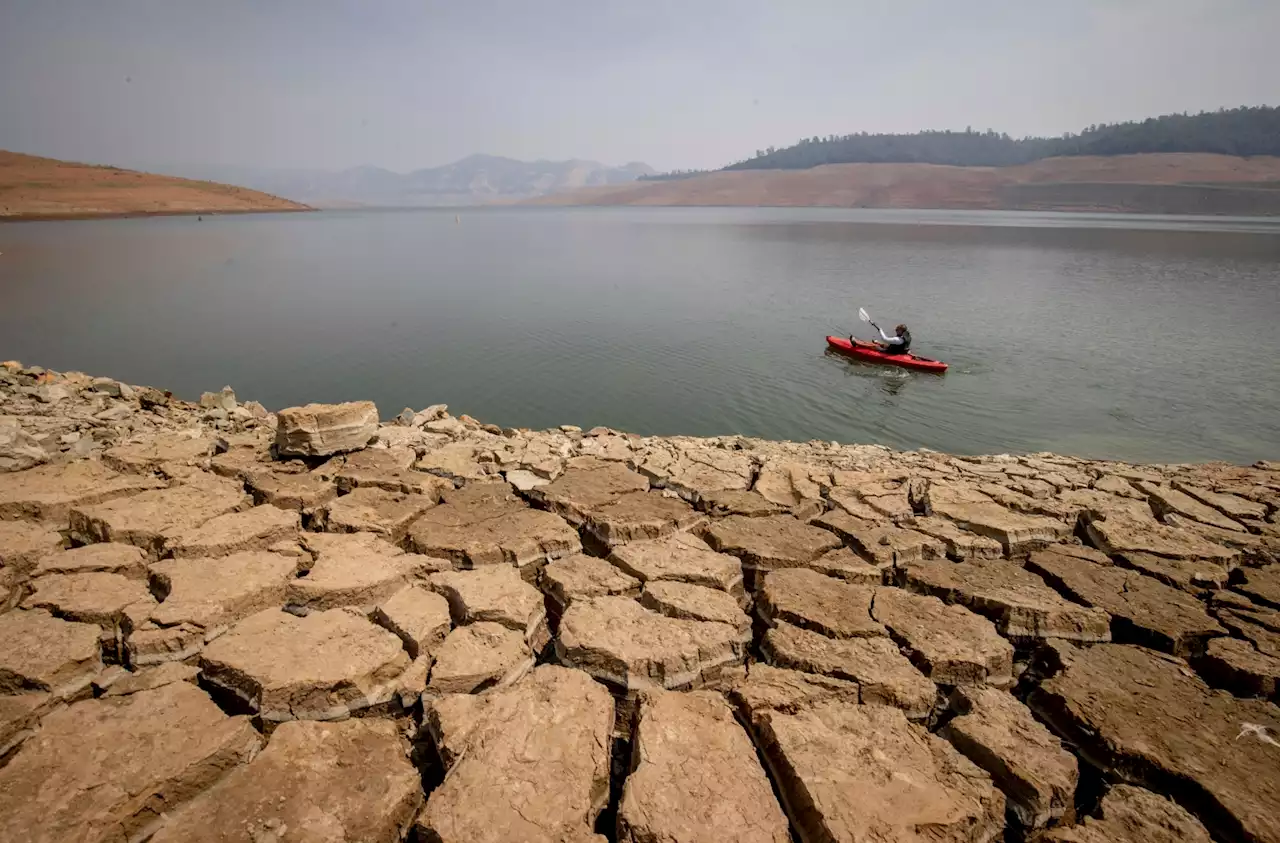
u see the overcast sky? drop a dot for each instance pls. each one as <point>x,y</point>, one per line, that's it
<point>404,84</point>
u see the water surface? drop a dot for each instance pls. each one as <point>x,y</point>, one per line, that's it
<point>1141,338</point>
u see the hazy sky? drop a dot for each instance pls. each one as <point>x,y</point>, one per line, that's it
<point>689,83</point>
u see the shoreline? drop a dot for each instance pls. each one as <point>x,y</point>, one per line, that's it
<point>231,608</point>
<point>77,217</point>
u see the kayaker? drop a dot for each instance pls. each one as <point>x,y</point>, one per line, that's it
<point>900,343</point>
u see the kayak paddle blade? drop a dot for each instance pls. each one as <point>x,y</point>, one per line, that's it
<point>863,315</point>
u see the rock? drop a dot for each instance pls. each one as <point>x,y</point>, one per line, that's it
<point>1000,735</point>
<point>202,597</point>
<point>952,645</point>
<point>420,618</point>
<point>433,413</point>
<point>695,471</point>
<point>479,656</point>
<point>149,751</point>
<point>19,450</point>
<point>585,485</point>
<point>146,520</point>
<point>618,641</point>
<point>1190,575</point>
<point>24,543</point>
<point>1117,535</point>
<point>150,455</point>
<point>906,785</point>
<point>90,598</point>
<point>286,490</point>
<point>819,603</point>
<point>256,528</point>
<point>768,687</point>
<point>49,492</point>
<point>456,461</point>
<point>386,468</point>
<point>884,676</point>
<point>319,430</point>
<point>695,776</point>
<point>1142,610</point>
<point>1262,585</point>
<point>1255,550</point>
<point>152,678</point>
<point>1017,533</point>
<point>1146,719</point>
<point>1237,666</point>
<point>376,511</point>
<point>405,419</point>
<point>1165,499</point>
<point>885,545</point>
<point>1017,601</point>
<point>787,484</point>
<point>1133,815</point>
<point>578,576</point>
<point>680,558</point>
<point>362,576</point>
<point>106,386</point>
<point>484,524</point>
<point>495,593</point>
<point>107,558</point>
<point>960,545</point>
<point>525,481</point>
<point>1260,629</point>
<point>1232,505</point>
<point>639,516</point>
<point>695,603</point>
<point>20,718</point>
<point>321,667</point>
<point>750,504</point>
<point>531,763</point>
<point>44,653</point>
<point>331,781</point>
<point>764,544</point>
<point>52,393</point>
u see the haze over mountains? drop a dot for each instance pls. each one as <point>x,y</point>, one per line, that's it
<point>473,180</point>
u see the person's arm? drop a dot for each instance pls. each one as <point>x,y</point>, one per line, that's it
<point>889,339</point>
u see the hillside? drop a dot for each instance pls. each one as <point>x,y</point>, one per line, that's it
<point>45,188</point>
<point>1174,183</point>
<point>473,180</point>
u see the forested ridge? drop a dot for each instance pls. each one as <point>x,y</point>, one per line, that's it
<point>1245,131</point>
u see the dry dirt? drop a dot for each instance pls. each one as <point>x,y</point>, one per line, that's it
<point>45,188</point>
<point>1175,183</point>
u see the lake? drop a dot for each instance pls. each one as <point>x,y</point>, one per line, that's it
<point>1137,338</point>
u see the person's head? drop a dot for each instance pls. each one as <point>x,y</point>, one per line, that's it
<point>900,330</point>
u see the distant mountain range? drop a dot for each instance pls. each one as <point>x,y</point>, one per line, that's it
<point>474,180</point>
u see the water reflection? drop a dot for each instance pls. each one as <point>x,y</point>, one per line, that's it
<point>891,380</point>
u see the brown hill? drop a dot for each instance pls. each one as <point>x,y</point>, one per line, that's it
<point>45,188</point>
<point>1159,183</point>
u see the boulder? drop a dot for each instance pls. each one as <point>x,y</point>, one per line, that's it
<point>24,543</point>
<point>49,492</point>
<point>148,519</point>
<point>484,524</point>
<point>574,577</point>
<point>456,462</point>
<point>314,781</point>
<point>150,753</point>
<point>44,653</point>
<point>620,642</point>
<point>107,558</point>
<point>906,785</point>
<point>479,656</point>
<point>952,645</point>
<point>319,430</point>
<point>324,666</point>
<point>695,603</point>
<point>1142,610</point>
<point>419,617</point>
<point>819,603</point>
<point>1132,815</point>
<point>682,557</point>
<point>1017,601</point>
<point>884,676</point>
<point>1000,735</point>
<point>1146,719</point>
<point>695,776</point>
<point>374,510</point>
<point>495,593</point>
<point>256,528</point>
<point>531,763</point>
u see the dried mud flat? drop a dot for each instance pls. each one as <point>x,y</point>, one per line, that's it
<point>220,623</point>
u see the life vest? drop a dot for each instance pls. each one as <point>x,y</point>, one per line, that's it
<point>906,342</point>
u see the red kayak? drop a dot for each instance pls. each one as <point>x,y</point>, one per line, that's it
<point>871,353</point>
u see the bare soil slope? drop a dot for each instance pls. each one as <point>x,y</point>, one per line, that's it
<point>1164,183</point>
<point>45,188</point>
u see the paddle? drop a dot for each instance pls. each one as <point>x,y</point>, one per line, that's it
<point>866,317</point>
